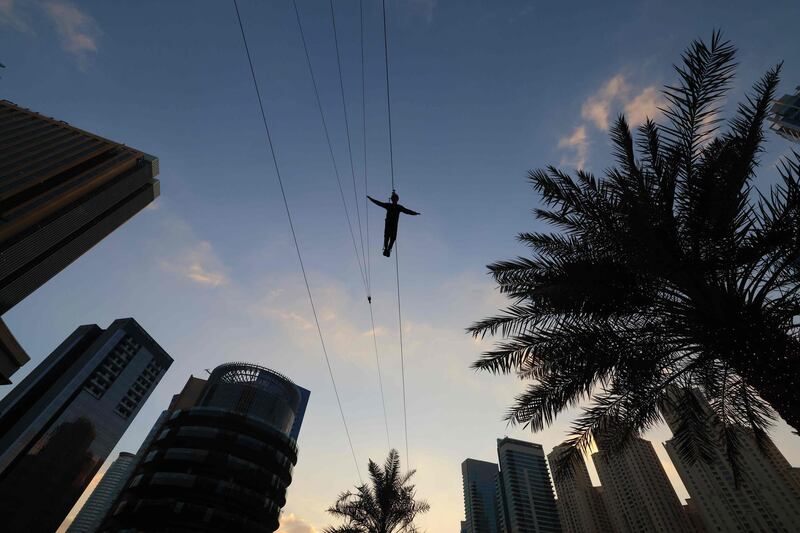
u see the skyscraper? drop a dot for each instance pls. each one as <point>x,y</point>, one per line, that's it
<point>638,494</point>
<point>768,495</point>
<point>480,489</point>
<point>222,457</point>
<point>62,190</point>
<point>527,493</point>
<point>59,424</point>
<point>580,506</point>
<point>785,116</point>
<point>94,510</point>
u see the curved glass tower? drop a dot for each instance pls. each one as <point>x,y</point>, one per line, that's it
<point>222,463</point>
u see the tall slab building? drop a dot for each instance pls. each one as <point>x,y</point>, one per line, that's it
<point>62,190</point>
<point>638,494</point>
<point>767,497</point>
<point>58,425</point>
<point>94,510</point>
<point>529,505</point>
<point>480,496</point>
<point>580,505</point>
<point>220,458</point>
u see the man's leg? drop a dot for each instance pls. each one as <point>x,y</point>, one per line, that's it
<point>392,238</point>
<point>386,245</point>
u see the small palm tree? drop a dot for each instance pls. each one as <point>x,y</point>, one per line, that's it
<point>387,505</point>
<point>670,273</point>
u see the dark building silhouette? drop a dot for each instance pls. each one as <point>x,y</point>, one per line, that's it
<point>480,496</point>
<point>58,425</point>
<point>62,190</point>
<point>220,458</point>
<point>94,510</point>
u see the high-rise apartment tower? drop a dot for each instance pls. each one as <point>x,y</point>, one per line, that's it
<point>58,425</point>
<point>221,459</point>
<point>62,190</point>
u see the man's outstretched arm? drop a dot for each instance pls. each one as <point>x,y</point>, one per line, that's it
<point>376,202</point>
<point>408,211</point>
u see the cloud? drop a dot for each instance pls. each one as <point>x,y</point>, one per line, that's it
<point>197,263</point>
<point>596,108</point>
<point>290,523</point>
<point>77,30</point>
<point>10,15</point>
<point>617,92</point>
<point>579,144</point>
<point>644,105</point>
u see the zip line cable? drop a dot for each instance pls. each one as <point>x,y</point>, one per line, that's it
<point>366,214</point>
<point>344,205</point>
<point>347,128</point>
<point>294,237</point>
<point>330,147</point>
<point>402,359</point>
<point>364,137</point>
<point>388,99</point>
<point>397,247</point>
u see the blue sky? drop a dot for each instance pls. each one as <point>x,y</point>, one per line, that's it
<point>481,92</point>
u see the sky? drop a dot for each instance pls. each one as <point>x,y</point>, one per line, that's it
<point>482,91</point>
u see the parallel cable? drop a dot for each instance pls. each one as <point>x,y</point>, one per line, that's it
<point>364,136</point>
<point>344,205</point>
<point>294,237</point>
<point>347,126</point>
<point>330,148</point>
<point>397,247</point>
<point>366,215</point>
<point>388,97</point>
<point>402,357</point>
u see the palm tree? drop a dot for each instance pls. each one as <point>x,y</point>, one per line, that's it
<point>669,273</point>
<point>388,505</point>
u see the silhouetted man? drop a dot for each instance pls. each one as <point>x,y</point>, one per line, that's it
<point>393,211</point>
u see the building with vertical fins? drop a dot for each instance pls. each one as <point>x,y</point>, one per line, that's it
<point>580,505</point>
<point>62,190</point>
<point>480,490</point>
<point>58,425</point>
<point>221,458</point>
<point>638,494</point>
<point>526,489</point>
<point>94,510</point>
<point>785,116</point>
<point>767,497</point>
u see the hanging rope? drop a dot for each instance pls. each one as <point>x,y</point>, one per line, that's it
<point>294,237</point>
<point>388,98</point>
<point>359,260</point>
<point>364,137</point>
<point>344,206</point>
<point>347,128</point>
<point>366,217</point>
<point>397,247</point>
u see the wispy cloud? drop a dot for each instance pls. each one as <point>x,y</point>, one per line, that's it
<point>616,94</point>
<point>197,263</point>
<point>77,30</point>
<point>578,143</point>
<point>644,105</point>
<point>291,523</point>
<point>597,108</point>
<point>11,15</point>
